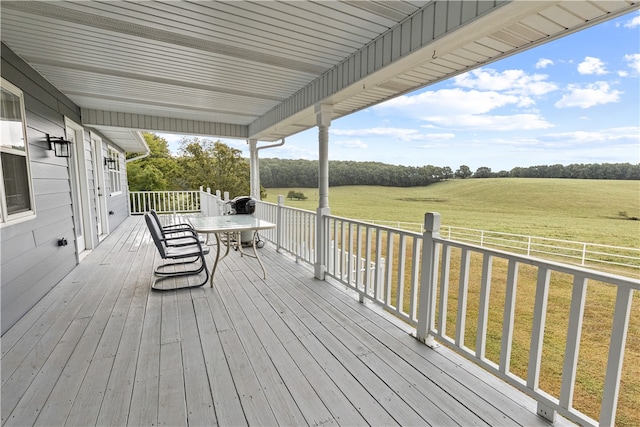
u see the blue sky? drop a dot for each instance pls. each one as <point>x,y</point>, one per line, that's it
<point>574,100</point>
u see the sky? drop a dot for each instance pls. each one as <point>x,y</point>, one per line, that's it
<point>573,100</point>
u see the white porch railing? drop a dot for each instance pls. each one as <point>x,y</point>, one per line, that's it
<point>429,282</point>
<point>548,283</point>
<point>164,201</point>
<point>171,202</point>
<point>295,231</point>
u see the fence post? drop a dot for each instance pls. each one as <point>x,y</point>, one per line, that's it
<point>211,208</point>
<point>428,286</point>
<point>279,222</point>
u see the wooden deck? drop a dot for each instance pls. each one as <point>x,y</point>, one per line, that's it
<point>103,349</point>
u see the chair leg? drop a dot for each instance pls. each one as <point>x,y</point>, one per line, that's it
<point>156,282</point>
<point>158,271</point>
<point>176,274</point>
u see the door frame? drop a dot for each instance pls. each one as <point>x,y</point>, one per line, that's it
<point>80,186</point>
<point>97,151</point>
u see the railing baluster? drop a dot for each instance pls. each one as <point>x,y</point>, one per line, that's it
<point>388,282</point>
<point>377,285</point>
<point>444,290</point>
<point>358,262</point>
<point>402,255</point>
<point>619,328</point>
<point>343,239</point>
<point>465,260</point>
<point>508,316</point>
<point>537,333</point>
<point>483,312</point>
<point>572,347</point>
<point>367,261</point>
<point>336,247</point>
<point>348,252</point>
<point>415,278</point>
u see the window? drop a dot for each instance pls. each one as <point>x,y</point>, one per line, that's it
<point>15,186</point>
<point>114,174</point>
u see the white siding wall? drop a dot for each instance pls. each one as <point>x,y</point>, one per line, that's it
<point>31,261</point>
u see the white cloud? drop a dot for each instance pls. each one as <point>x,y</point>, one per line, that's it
<point>512,82</point>
<point>589,95</point>
<point>468,109</point>
<point>629,135</point>
<point>438,136</point>
<point>351,143</point>
<point>398,133</point>
<point>448,101</point>
<point>634,62</point>
<point>634,22</point>
<point>592,65</point>
<point>543,63</point>
<point>492,122</point>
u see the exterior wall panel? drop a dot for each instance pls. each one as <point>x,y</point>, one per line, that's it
<point>32,263</point>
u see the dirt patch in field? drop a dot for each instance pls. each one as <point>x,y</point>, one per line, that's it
<point>422,199</point>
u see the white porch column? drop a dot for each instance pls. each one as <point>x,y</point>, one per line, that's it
<point>254,169</point>
<point>323,120</point>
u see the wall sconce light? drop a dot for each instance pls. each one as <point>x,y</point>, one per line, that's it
<point>60,146</point>
<point>110,163</point>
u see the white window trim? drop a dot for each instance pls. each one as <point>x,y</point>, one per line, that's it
<point>5,218</point>
<point>115,175</point>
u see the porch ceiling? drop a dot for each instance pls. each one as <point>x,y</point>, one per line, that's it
<point>255,69</point>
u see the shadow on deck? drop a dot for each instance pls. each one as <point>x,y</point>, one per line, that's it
<point>102,348</point>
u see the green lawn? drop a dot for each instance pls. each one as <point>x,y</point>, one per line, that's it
<point>568,209</point>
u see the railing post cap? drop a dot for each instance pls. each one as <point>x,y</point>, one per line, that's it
<point>432,221</point>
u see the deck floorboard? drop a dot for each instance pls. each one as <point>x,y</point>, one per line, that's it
<point>102,348</point>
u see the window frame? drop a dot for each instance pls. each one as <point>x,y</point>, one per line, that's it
<point>5,217</point>
<point>115,175</point>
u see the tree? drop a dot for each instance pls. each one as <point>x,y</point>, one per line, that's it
<point>145,178</point>
<point>463,172</point>
<point>447,173</point>
<point>297,195</point>
<point>215,165</point>
<point>159,171</point>
<point>483,172</point>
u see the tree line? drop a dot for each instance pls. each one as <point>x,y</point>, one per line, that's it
<point>213,164</point>
<point>283,173</point>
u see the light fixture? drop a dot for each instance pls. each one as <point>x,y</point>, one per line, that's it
<point>60,146</point>
<point>110,163</point>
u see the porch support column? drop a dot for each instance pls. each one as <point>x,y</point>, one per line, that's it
<point>254,169</point>
<point>323,120</point>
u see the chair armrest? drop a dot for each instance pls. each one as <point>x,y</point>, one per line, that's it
<point>177,227</point>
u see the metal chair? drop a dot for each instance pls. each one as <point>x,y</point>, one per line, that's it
<point>189,251</point>
<point>171,232</point>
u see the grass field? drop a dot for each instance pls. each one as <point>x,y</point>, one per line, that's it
<point>581,210</point>
<point>569,209</point>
